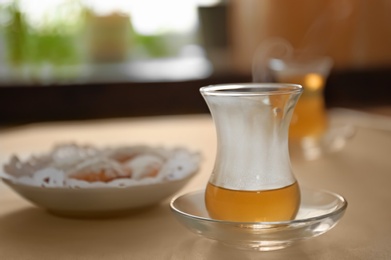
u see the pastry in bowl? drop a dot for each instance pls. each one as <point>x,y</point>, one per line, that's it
<point>81,180</point>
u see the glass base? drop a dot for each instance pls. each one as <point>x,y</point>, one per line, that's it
<point>260,246</point>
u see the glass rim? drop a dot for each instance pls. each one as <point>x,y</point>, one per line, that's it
<point>251,89</point>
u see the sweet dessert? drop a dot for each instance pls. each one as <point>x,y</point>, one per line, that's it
<point>78,166</point>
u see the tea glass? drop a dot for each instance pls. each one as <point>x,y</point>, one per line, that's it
<point>252,199</point>
<point>252,165</point>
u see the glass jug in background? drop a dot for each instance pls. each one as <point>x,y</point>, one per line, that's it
<point>252,178</point>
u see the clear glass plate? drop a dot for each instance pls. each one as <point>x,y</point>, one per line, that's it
<point>319,212</point>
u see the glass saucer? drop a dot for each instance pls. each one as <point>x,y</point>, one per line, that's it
<point>319,212</point>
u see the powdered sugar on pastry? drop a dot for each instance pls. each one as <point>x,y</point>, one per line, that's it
<point>81,166</point>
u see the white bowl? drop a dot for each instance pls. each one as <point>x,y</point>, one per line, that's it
<point>97,202</point>
<point>49,180</point>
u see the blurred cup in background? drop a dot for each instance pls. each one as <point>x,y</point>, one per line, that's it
<point>309,121</point>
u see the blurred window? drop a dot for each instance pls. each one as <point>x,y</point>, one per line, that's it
<point>50,41</point>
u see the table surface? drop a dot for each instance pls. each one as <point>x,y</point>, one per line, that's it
<point>361,172</point>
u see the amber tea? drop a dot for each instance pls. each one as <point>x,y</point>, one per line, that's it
<point>253,206</point>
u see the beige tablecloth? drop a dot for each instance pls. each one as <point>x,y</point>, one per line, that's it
<point>361,172</point>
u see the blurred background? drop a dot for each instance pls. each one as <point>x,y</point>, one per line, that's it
<point>88,59</point>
